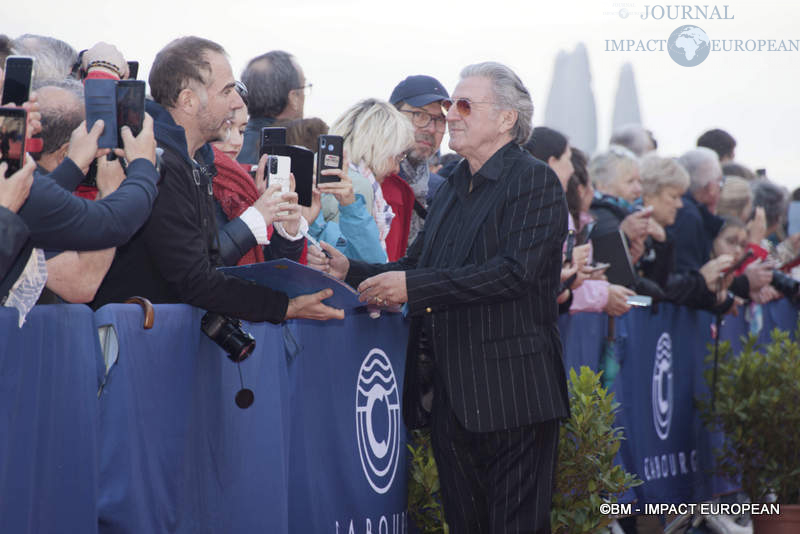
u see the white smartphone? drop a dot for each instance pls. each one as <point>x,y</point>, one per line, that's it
<point>278,168</point>
<point>642,301</point>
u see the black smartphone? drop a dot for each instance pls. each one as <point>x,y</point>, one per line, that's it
<point>272,136</point>
<point>13,125</point>
<point>329,156</point>
<point>130,106</point>
<point>570,246</point>
<point>100,100</point>
<point>133,69</point>
<point>19,76</point>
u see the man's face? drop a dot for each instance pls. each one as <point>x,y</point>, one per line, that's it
<point>218,99</point>
<point>471,133</point>
<point>426,138</point>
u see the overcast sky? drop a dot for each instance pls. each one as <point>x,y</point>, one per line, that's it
<point>352,50</point>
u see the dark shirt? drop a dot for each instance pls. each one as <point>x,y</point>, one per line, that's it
<point>251,145</point>
<point>694,232</point>
<point>13,235</point>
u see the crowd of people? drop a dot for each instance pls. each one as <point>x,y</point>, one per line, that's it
<point>179,201</point>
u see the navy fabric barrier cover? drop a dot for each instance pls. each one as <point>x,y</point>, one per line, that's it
<point>48,399</point>
<point>164,448</point>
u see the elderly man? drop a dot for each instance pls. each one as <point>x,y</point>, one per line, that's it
<point>480,283</point>
<point>696,224</point>
<point>276,91</point>
<point>420,99</point>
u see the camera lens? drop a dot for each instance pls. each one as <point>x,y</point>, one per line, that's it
<point>273,165</point>
<point>228,334</point>
<point>330,148</point>
<point>322,143</point>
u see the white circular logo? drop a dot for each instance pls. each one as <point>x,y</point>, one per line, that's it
<point>378,420</point>
<point>662,386</point>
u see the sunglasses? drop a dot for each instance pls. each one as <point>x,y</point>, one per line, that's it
<point>463,105</point>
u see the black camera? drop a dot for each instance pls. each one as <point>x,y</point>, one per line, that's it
<point>788,286</point>
<point>228,334</point>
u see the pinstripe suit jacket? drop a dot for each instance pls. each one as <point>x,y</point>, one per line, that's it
<point>493,316</point>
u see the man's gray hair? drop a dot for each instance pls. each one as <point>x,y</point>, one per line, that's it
<point>509,93</point>
<point>58,121</point>
<point>773,198</point>
<point>633,137</point>
<point>702,164</point>
<point>269,79</point>
<point>54,58</point>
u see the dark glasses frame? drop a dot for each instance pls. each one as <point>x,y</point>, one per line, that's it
<point>463,105</point>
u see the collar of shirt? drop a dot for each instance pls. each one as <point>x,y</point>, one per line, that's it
<point>491,170</point>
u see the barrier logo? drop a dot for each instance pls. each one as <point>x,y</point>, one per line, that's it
<point>378,420</point>
<point>662,386</point>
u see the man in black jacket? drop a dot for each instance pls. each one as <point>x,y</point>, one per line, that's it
<point>174,257</point>
<point>480,282</point>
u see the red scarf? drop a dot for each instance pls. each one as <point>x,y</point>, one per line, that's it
<point>235,191</point>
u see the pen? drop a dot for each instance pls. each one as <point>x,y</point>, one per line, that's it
<point>315,243</point>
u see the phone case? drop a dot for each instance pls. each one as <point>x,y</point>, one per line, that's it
<point>18,79</point>
<point>100,98</point>
<point>129,96</point>
<point>329,156</point>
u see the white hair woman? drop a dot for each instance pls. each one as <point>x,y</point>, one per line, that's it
<point>376,138</point>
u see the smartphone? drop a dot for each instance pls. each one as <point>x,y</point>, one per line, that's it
<point>302,167</point>
<point>329,156</point>
<point>278,169</point>
<point>130,106</point>
<point>271,136</point>
<point>19,77</point>
<point>735,267</point>
<point>599,267</point>
<point>570,246</point>
<point>100,101</point>
<point>13,125</point>
<point>640,301</point>
<point>133,69</point>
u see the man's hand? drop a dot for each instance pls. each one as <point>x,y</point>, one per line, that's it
<point>337,265</point>
<point>385,289</point>
<point>142,146</point>
<point>34,115</point>
<point>759,274</point>
<point>14,189</point>
<point>110,175</point>
<point>311,307</point>
<point>618,300</point>
<point>108,53</point>
<point>83,145</point>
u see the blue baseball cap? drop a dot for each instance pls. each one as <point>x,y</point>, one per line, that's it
<point>418,91</point>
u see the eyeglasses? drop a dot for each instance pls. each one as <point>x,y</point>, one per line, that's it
<point>463,105</point>
<point>305,88</point>
<point>421,119</point>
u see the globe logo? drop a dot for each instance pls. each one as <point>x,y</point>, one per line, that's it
<point>688,46</point>
<point>378,420</point>
<point>662,386</point>
<point>623,13</point>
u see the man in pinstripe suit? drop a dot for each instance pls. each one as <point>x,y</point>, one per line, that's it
<point>480,282</point>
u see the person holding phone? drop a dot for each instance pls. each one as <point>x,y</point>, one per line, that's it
<point>376,136</point>
<point>247,211</point>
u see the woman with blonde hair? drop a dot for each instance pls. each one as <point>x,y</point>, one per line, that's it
<point>376,138</point>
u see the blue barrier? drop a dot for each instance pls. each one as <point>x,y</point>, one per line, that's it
<point>322,449</point>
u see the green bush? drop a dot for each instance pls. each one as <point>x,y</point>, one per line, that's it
<point>757,399</point>
<point>586,474</point>
<point>588,444</point>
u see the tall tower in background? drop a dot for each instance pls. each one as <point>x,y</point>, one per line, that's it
<point>570,103</point>
<point>626,103</point>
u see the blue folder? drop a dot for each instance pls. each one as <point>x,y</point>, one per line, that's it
<point>294,279</point>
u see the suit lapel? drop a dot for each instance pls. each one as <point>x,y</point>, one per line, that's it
<point>436,213</point>
<point>476,222</point>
